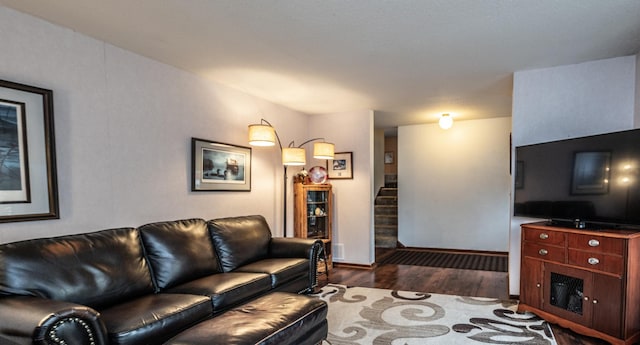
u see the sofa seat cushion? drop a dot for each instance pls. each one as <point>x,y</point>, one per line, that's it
<point>281,270</point>
<point>227,289</point>
<point>279,318</point>
<point>154,318</point>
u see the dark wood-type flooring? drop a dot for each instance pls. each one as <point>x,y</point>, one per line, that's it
<point>444,281</point>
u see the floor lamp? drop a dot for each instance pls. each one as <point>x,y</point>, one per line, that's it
<point>264,134</point>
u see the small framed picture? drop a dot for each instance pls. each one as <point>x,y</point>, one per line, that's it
<point>341,167</point>
<point>388,157</point>
<point>219,166</point>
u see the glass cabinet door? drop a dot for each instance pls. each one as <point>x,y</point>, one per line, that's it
<point>567,293</point>
<point>316,214</point>
<point>313,215</point>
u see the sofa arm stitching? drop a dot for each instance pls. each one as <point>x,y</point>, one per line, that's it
<point>53,336</point>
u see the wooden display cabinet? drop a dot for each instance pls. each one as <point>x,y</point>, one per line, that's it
<point>583,280</point>
<point>313,212</point>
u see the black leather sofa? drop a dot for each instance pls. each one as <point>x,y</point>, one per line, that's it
<point>145,285</point>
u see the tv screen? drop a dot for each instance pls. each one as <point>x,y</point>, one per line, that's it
<point>583,182</point>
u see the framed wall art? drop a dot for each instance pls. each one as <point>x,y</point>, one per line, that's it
<point>28,181</point>
<point>341,167</point>
<point>220,167</point>
<point>388,157</point>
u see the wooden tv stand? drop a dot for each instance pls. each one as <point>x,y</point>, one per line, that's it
<point>584,280</point>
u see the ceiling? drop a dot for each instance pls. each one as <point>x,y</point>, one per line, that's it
<point>410,60</point>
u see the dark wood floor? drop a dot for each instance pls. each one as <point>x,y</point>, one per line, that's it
<point>441,280</point>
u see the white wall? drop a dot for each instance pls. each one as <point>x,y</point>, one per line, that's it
<point>575,100</point>
<point>565,102</point>
<point>453,185</point>
<point>123,127</point>
<point>637,107</point>
<point>378,160</point>
<point>352,131</point>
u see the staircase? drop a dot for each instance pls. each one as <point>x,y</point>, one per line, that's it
<point>386,218</point>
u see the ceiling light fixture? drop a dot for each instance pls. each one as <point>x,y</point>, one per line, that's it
<point>446,121</point>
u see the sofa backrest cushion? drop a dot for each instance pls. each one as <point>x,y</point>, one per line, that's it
<point>240,240</point>
<point>179,251</point>
<point>94,269</point>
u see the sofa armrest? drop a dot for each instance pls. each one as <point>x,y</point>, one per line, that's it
<point>34,320</point>
<point>294,247</point>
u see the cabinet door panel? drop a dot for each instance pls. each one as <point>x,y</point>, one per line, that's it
<point>567,293</point>
<point>607,295</point>
<point>313,212</point>
<point>531,282</point>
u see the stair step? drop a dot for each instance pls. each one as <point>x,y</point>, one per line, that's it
<point>386,200</point>
<point>391,210</point>
<point>386,230</point>
<point>386,241</point>
<point>388,191</point>
<point>391,181</point>
<point>386,220</point>
<point>386,217</point>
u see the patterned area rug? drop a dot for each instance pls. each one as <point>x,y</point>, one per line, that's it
<point>483,262</point>
<point>384,317</point>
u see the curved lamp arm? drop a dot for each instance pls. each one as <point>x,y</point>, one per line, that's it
<point>263,121</point>
<point>291,144</point>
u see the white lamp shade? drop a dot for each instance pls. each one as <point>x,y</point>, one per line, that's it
<point>293,156</point>
<point>446,121</point>
<point>262,135</point>
<point>323,150</point>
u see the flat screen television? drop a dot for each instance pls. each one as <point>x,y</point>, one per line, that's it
<point>587,182</point>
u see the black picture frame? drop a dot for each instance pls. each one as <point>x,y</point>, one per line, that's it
<point>341,167</point>
<point>28,177</point>
<point>220,166</point>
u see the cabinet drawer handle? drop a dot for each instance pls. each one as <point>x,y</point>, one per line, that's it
<point>544,236</point>
<point>594,243</point>
<point>593,261</point>
<point>538,285</point>
<point>543,252</point>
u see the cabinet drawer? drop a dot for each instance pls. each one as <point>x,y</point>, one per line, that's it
<point>597,244</point>
<point>544,252</point>
<point>597,261</point>
<point>544,236</point>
